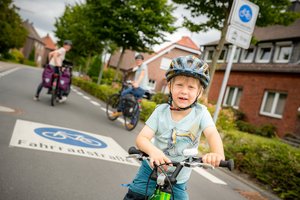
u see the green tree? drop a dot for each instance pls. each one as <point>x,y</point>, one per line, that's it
<point>32,55</point>
<point>75,25</point>
<point>132,24</point>
<point>12,32</point>
<point>217,13</point>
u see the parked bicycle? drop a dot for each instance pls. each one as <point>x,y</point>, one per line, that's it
<point>130,106</point>
<point>164,182</point>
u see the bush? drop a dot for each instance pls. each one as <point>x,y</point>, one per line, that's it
<point>160,98</point>
<point>269,161</point>
<point>147,109</point>
<point>16,55</point>
<point>32,55</point>
<point>226,119</point>
<point>267,130</point>
<point>104,91</point>
<point>94,67</point>
<point>108,76</point>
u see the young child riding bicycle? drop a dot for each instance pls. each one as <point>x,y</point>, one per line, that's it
<point>176,126</point>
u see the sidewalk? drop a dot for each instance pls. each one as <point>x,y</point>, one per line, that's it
<point>4,66</point>
<point>264,194</point>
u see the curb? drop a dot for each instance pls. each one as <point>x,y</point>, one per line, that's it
<point>263,192</point>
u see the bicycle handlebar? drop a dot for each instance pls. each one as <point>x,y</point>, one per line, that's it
<point>229,164</point>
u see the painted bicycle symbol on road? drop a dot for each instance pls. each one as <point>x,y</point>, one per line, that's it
<point>70,137</point>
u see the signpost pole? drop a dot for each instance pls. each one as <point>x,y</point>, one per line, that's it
<point>224,83</point>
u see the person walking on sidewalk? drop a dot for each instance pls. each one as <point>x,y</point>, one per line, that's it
<point>56,58</point>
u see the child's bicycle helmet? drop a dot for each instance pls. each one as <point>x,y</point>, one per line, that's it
<point>188,66</point>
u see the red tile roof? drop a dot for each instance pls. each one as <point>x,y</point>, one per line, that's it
<point>128,59</point>
<point>49,42</point>
<point>187,42</point>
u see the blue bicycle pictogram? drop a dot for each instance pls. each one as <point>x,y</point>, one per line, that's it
<point>70,137</point>
<point>245,13</point>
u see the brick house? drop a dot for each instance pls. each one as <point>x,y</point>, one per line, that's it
<point>49,46</point>
<point>158,62</point>
<point>264,82</point>
<point>33,43</point>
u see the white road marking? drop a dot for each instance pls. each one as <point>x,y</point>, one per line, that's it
<point>6,109</point>
<point>8,72</point>
<point>209,176</point>
<point>95,103</point>
<point>86,97</point>
<point>45,137</point>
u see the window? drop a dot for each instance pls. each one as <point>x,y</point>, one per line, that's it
<point>209,54</point>
<point>247,55</point>
<point>283,52</point>
<point>232,97</point>
<point>222,55</point>
<point>165,63</point>
<point>236,55</point>
<point>264,53</point>
<point>273,104</point>
<point>151,84</point>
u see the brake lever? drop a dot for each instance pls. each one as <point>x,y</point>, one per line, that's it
<point>136,156</point>
<point>207,166</point>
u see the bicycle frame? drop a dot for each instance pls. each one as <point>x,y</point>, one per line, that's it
<point>164,184</point>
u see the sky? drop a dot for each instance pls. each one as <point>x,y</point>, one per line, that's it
<point>42,13</point>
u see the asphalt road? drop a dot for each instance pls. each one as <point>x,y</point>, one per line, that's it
<point>38,168</point>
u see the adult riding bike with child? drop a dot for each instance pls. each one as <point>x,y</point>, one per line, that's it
<point>53,71</point>
<point>130,106</point>
<point>164,180</point>
<point>61,83</point>
<point>174,127</point>
<point>126,103</point>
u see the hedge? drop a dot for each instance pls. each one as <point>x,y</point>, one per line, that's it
<point>270,161</point>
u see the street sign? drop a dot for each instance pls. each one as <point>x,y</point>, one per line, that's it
<point>242,21</point>
<point>244,15</point>
<point>238,37</point>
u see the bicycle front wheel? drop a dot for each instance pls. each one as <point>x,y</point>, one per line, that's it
<point>112,106</point>
<point>132,121</point>
<point>53,97</point>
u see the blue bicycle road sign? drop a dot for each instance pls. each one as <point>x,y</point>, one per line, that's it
<point>70,137</point>
<point>245,13</point>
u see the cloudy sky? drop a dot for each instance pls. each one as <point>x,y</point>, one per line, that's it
<point>42,13</point>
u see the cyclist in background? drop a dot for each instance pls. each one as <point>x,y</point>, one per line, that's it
<point>176,126</point>
<point>56,58</point>
<point>139,84</point>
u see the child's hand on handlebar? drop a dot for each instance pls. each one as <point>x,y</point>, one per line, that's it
<point>158,157</point>
<point>213,159</point>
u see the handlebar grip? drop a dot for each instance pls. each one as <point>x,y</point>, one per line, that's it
<point>227,163</point>
<point>134,150</point>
